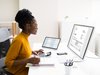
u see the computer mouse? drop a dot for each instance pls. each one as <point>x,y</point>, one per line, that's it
<point>48,54</point>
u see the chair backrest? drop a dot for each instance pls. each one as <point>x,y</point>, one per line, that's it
<point>4,34</point>
<point>4,41</point>
<point>4,44</point>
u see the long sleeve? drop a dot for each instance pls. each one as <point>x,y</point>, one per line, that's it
<point>19,50</point>
<point>13,53</point>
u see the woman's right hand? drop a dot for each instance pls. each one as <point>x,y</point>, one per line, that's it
<point>34,60</point>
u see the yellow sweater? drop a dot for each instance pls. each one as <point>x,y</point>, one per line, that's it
<point>19,49</point>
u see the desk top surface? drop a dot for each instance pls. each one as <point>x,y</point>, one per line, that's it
<point>89,66</point>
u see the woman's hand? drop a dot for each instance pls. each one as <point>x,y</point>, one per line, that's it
<point>38,52</point>
<point>34,52</point>
<point>34,60</point>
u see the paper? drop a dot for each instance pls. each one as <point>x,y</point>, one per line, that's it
<point>43,62</point>
<point>37,65</point>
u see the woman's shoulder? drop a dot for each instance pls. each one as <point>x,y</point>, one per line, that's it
<point>18,38</point>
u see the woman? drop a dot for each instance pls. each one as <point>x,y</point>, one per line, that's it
<point>19,53</point>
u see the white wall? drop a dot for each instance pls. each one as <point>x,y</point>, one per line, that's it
<point>8,9</point>
<point>83,12</point>
<point>95,18</point>
<point>76,10</point>
<point>50,12</point>
<point>96,21</point>
<point>45,12</point>
<point>80,11</point>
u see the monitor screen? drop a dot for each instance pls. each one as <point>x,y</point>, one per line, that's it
<point>79,39</point>
<point>51,42</point>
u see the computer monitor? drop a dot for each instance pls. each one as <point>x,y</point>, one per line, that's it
<point>79,39</point>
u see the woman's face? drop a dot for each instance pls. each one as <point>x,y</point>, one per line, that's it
<point>33,27</point>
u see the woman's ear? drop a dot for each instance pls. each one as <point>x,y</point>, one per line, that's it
<point>28,28</point>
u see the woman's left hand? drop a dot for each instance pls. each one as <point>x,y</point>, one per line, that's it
<point>38,52</point>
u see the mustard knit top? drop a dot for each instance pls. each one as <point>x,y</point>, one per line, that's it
<point>19,49</point>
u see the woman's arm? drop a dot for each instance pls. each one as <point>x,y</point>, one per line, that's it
<point>33,60</point>
<point>13,53</point>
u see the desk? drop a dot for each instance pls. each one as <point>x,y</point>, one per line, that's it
<point>89,66</point>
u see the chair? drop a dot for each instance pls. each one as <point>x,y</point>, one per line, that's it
<point>4,46</point>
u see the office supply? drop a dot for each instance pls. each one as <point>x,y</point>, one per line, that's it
<point>79,39</point>
<point>51,42</point>
<point>69,62</point>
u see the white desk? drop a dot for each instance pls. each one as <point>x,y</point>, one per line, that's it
<point>89,66</point>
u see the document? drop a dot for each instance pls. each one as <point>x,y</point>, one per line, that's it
<point>45,61</point>
<point>35,65</point>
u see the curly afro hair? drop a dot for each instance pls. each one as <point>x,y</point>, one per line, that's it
<point>23,17</point>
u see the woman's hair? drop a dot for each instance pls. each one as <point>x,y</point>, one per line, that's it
<point>24,17</point>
